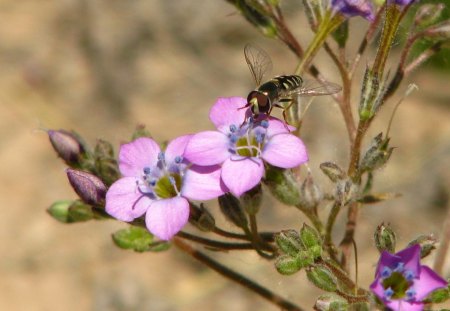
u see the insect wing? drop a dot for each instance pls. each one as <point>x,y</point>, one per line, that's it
<point>258,62</point>
<point>314,88</point>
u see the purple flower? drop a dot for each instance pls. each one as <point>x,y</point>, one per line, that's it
<point>158,184</point>
<point>350,8</point>
<point>402,283</point>
<point>240,147</point>
<point>401,3</point>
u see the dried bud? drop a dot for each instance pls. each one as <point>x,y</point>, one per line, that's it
<point>201,218</point>
<point>310,193</point>
<point>439,31</point>
<point>333,171</point>
<point>289,242</point>
<point>385,238</point>
<point>346,191</point>
<point>372,94</point>
<point>231,208</point>
<point>427,244</point>
<point>251,200</point>
<point>428,14</point>
<point>67,145</point>
<point>105,163</point>
<point>377,154</point>
<point>283,185</point>
<point>323,278</point>
<point>89,187</point>
<point>331,302</point>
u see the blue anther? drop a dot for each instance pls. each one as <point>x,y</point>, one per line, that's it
<point>259,137</point>
<point>233,138</point>
<point>388,293</point>
<point>409,275</point>
<point>250,120</point>
<point>178,159</point>
<point>161,156</point>
<point>386,272</point>
<point>399,267</point>
<point>410,294</point>
<point>172,180</point>
<point>265,124</point>
<point>152,183</point>
<point>146,170</point>
<point>233,128</point>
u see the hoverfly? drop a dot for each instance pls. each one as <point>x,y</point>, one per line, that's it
<point>279,91</point>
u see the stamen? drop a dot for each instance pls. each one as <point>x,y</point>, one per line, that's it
<point>174,184</point>
<point>386,272</point>
<point>233,128</point>
<point>400,267</point>
<point>409,275</point>
<point>259,137</point>
<point>265,124</point>
<point>233,138</point>
<point>178,159</point>
<point>147,170</point>
<point>388,293</point>
<point>410,294</point>
<point>161,156</point>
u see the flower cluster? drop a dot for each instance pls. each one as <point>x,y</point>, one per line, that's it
<point>199,167</point>
<point>402,283</point>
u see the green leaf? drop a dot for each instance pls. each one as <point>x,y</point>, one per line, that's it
<point>322,278</point>
<point>139,240</point>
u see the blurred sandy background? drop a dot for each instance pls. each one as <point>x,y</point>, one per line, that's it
<point>101,67</point>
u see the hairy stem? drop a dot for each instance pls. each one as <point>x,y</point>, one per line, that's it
<point>236,277</point>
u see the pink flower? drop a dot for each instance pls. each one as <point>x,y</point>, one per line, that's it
<point>402,283</point>
<point>241,147</point>
<point>158,184</point>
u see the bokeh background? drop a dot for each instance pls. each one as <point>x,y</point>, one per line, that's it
<point>101,67</point>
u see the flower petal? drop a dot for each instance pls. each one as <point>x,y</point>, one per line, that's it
<point>134,156</point>
<point>386,260</point>
<point>241,175</point>
<point>411,258</point>
<point>165,218</point>
<point>226,111</point>
<point>202,183</point>
<point>428,282</point>
<point>285,151</point>
<point>207,148</point>
<point>403,305</point>
<point>176,148</point>
<point>276,126</point>
<point>124,201</point>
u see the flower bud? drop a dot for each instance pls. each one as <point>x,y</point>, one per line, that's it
<point>288,241</point>
<point>346,191</point>
<point>427,244</point>
<point>385,238</point>
<point>287,265</point>
<point>333,171</point>
<point>67,145</point>
<point>141,131</point>
<point>428,14</point>
<point>231,208</point>
<point>439,31</point>
<point>255,13</point>
<point>311,241</point>
<point>138,239</point>
<point>283,185</point>
<point>79,212</point>
<point>372,94</point>
<point>310,193</point>
<point>60,210</point>
<point>323,278</point>
<point>201,218</point>
<point>89,187</point>
<point>377,154</point>
<point>251,200</point>
<point>330,302</point>
<point>105,163</point>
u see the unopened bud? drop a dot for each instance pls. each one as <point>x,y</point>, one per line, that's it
<point>251,200</point>
<point>67,145</point>
<point>283,185</point>
<point>323,278</point>
<point>333,171</point>
<point>331,302</point>
<point>311,241</point>
<point>201,218</point>
<point>60,210</point>
<point>89,187</point>
<point>310,193</point>
<point>427,244</point>
<point>233,211</point>
<point>141,131</point>
<point>287,265</point>
<point>428,14</point>
<point>439,31</point>
<point>105,162</point>
<point>288,241</point>
<point>346,191</point>
<point>377,154</point>
<point>372,95</point>
<point>385,238</point>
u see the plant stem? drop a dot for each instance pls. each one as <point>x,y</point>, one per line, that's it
<point>215,244</point>
<point>258,244</point>
<point>330,223</point>
<point>236,277</point>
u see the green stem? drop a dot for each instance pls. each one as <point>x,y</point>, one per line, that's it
<point>215,244</point>
<point>330,223</point>
<point>236,277</point>
<point>258,244</point>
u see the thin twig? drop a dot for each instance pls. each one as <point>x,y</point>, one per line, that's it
<point>236,277</point>
<point>214,243</point>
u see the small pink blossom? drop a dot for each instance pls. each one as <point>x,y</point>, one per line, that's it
<point>241,148</point>
<point>402,283</point>
<point>159,184</point>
